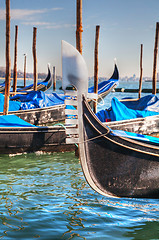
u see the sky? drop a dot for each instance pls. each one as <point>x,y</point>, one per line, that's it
<point>124,26</point>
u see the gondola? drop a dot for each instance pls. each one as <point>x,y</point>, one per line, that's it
<point>41,86</point>
<point>106,86</point>
<point>18,136</point>
<point>38,108</point>
<point>39,116</point>
<point>135,115</point>
<point>115,163</point>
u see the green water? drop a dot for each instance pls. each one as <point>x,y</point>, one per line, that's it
<point>47,197</point>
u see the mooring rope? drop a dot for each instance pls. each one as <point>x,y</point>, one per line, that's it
<point>90,139</point>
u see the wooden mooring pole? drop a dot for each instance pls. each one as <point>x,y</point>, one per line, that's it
<point>15,61</point>
<point>141,71</point>
<point>54,78</point>
<point>7,76</point>
<point>25,70</point>
<point>96,67</point>
<point>154,78</point>
<point>79,28</point>
<point>35,58</point>
<point>79,31</point>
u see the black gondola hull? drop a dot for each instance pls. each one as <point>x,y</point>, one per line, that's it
<point>117,166</point>
<point>32,139</point>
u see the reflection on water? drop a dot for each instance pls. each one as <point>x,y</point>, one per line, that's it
<point>47,197</point>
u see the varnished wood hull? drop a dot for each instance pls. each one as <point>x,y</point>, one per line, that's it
<point>116,166</point>
<point>32,139</point>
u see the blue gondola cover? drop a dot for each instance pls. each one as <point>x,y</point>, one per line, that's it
<point>13,121</point>
<point>119,111</point>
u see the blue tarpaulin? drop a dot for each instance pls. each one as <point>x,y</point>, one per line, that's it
<point>13,121</point>
<point>119,111</point>
<point>149,102</point>
<point>13,106</point>
<point>33,99</point>
<point>135,136</point>
<point>38,99</point>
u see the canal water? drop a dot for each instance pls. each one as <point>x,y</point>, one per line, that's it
<point>45,196</point>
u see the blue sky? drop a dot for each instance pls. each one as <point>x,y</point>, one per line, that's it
<point>124,25</point>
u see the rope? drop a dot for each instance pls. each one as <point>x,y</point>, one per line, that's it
<point>90,139</point>
<point>60,124</point>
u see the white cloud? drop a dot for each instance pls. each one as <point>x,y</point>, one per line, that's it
<point>56,9</point>
<point>28,16</point>
<point>58,26</point>
<point>21,14</point>
<point>36,23</point>
<point>48,25</point>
